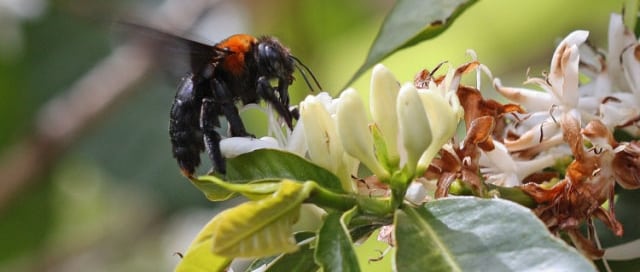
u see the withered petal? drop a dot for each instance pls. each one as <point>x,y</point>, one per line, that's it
<point>479,132</point>
<point>585,245</point>
<point>626,166</point>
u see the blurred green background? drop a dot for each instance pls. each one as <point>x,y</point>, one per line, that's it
<point>112,198</point>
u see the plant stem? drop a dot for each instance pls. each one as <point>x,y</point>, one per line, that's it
<point>325,198</point>
<point>514,194</point>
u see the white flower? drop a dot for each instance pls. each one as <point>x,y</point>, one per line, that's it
<point>354,132</point>
<point>561,84</point>
<point>337,135</point>
<point>414,126</point>
<point>559,95</point>
<point>384,90</point>
<point>443,111</point>
<point>323,143</point>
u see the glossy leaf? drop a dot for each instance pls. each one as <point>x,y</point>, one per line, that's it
<point>301,260</point>
<point>213,186</point>
<point>262,227</point>
<point>411,22</point>
<point>211,190</point>
<point>334,251</point>
<point>275,164</point>
<point>472,234</point>
<point>199,257</point>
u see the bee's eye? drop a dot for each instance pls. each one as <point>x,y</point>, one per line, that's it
<point>270,56</point>
<point>267,52</point>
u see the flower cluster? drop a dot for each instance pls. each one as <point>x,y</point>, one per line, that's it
<point>410,135</point>
<point>565,120</point>
<point>401,139</point>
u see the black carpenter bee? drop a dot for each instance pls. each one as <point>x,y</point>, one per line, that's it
<point>237,69</point>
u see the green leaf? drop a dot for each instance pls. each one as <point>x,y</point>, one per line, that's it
<point>301,260</point>
<point>212,186</point>
<point>265,164</point>
<point>472,234</point>
<point>411,22</point>
<point>211,190</point>
<point>334,251</point>
<point>199,256</point>
<point>263,227</point>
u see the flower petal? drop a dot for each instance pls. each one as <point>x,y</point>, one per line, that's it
<point>563,73</point>
<point>631,67</point>
<point>619,39</point>
<point>354,131</point>
<point>384,90</point>
<point>414,125</point>
<point>320,132</point>
<point>235,146</point>
<point>532,100</point>
<point>443,121</point>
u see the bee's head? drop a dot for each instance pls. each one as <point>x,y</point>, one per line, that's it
<point>274,60</point>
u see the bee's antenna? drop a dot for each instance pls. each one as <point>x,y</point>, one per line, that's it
<point>299,63</point>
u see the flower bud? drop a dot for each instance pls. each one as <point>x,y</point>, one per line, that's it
<point>384,90</point>
<point>354,131</point>
<point>414,125</point>
<point>443,121</point>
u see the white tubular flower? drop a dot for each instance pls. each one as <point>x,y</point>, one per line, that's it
<point>414,125</point>
<point>321,135</point>
<point>354,132</point>
<point>384,90</point>
<point>320,132</point>
<point>443,116</point>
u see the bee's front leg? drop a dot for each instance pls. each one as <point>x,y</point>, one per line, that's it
<point>279,102</point>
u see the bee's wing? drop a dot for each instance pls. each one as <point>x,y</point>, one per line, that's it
<point>178,54</point>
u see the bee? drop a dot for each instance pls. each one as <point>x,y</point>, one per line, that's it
<point>240,69</point>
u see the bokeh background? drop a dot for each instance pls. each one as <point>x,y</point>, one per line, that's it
<point>87,181</point>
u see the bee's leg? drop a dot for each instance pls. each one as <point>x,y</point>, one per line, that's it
<point>280,103</point>
<point>283,90</point>
<point>225,100</point>
<point>184,127</point>
<point>209,122</point>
